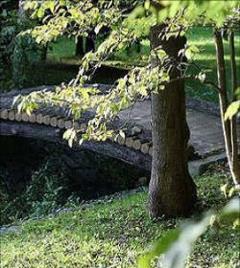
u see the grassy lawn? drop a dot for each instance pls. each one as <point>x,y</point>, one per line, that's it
<point>202,38</point>
<point>113,234</point>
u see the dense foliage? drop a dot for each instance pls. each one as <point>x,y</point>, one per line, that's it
<point>9,30</point>
<point>69,18</point>
<point>17,51</point>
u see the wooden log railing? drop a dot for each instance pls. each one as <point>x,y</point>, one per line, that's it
<point>50,117</point>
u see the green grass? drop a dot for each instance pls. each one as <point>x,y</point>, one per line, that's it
<point>203,39</point>
<point>113,234</point>
<point>62,49</point>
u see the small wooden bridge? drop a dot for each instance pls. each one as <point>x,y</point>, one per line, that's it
<point>136,148</point>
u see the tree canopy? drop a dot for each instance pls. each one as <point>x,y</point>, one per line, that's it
<point>76,18</point>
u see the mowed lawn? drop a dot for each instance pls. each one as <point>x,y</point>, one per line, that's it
<point>114,233</point>
<point>206,59</point>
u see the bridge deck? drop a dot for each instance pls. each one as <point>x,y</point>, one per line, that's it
<point>136,148</point>
<point>206,129</point>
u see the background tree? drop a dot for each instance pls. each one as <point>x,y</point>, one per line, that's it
<point>229,124</point>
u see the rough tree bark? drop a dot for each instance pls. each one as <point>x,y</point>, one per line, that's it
<point>172,191</point>
<point>229,126</point>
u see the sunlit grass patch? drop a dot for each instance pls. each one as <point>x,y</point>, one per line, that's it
<point>113,233</point>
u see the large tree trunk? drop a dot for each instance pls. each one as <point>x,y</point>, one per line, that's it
<point>172,191</point>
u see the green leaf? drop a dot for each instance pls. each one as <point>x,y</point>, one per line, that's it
<point>122,134</point>
<point>159,248</point>
<point>16,100</point>
<point>98,28</point>
<point>230,214</point>
<point>202,77</point>
<point>232,110</point>
<point>232,206</point>
<point>40,12</point>
<point>224,189</point>
<point>177,255</point>
<point>51,6</point>
<point>191,51</point>
<point>67,134</point>
<point>147,4</point>
<point>70,136</point>
<point>161,53</point>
